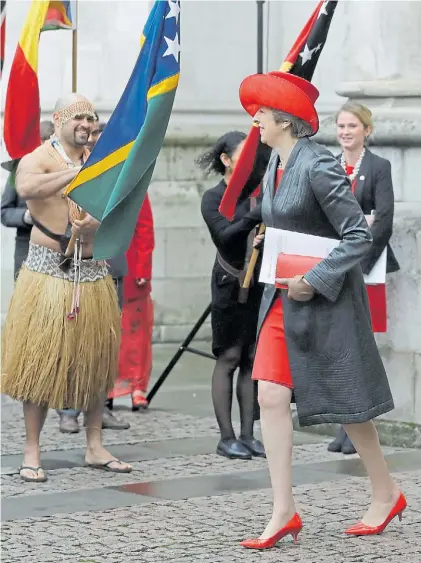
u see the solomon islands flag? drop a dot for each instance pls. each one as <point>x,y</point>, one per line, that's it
<point>112,184</point>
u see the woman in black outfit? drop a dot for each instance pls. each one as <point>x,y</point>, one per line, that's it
<point>234,323</point>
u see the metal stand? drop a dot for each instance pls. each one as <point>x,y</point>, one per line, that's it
<point>184,347</point>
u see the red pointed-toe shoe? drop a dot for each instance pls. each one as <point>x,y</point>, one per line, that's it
<point>139,401</point>
<point>293,527</point>
<point>362,529</point>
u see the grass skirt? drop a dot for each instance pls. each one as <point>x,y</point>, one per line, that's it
<point>53,361</point>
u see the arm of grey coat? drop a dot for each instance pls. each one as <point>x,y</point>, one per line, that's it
<point>332,189</point>
<point>382,226</point>
<point>11,214</point>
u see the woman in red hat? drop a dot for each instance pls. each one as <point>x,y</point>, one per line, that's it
<point>315,337</point>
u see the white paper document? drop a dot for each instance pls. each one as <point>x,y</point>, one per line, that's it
<point>288,242</point>
<point>378,273</point>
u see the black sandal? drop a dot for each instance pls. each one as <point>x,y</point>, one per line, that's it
<point>32,479</point>
<point>106,466</point>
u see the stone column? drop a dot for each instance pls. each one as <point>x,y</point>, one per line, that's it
<point>382,60</point>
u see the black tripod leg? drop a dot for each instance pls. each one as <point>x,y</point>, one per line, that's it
<point>178,354</point>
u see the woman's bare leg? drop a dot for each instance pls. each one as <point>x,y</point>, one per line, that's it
<point>385,492</point>
<point>276,425</point>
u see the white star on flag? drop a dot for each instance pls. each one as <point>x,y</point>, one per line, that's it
<point>306,54</point>
<point>174,10</point>
<point>173,47</point>
<point>323,9</point>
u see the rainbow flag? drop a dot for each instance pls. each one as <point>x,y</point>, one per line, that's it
<point>22,107</point>
<point>113,183</point>
<point>60,15</point>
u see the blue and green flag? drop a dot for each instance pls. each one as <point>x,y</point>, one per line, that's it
<point>112,184</point>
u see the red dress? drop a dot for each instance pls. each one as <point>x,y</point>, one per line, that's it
<point>135,362</point>
<point>376,293</point>
<point>270,366</point>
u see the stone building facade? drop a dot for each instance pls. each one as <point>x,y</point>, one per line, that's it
<point>373,54</point>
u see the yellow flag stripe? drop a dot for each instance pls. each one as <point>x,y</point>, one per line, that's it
<point>118,156</point>
<point>29,37</point>
<point>165,86</point>
<point>286,66</point>
<point>91,172</point>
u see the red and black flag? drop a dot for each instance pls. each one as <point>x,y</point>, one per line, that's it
<point>300,61</point>
<point>305,53</point>
<point>2,33</point>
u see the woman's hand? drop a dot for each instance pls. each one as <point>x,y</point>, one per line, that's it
<point>140,282</point>
<point>298,288</point>
<point>258,241</point>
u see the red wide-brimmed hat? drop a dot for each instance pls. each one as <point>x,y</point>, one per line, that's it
<point>282,91</point>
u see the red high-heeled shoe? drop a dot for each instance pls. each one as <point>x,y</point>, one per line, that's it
<point>362,529</point>
<point>293,527</point>
<point>139,401</point>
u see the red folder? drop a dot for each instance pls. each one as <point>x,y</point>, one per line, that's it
<point>290,265</point>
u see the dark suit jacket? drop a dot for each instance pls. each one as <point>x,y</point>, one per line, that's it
<point>13,209</point>
<point>374,191</point>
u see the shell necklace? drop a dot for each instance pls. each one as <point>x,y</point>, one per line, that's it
<point>356,167</point>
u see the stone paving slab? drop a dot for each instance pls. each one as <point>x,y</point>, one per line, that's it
<point>209,529</point>
<point>77,478</point>
<point>146,426</point>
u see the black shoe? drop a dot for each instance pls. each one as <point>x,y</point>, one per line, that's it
<point>233,449</point>
<point>348,446</point>
<point>336,445</point>
<point>255,447</point>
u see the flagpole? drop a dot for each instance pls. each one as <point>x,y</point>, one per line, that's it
<point>255,254</point>
<point>71,246</point>
<point>260,4</point>
<point>74,48</point>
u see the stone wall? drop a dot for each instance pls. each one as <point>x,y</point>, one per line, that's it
<point>379,64</point>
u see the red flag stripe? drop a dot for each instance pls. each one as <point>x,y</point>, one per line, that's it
<point>301,40</point>
<point>240,174</point>
<point>22,133</point>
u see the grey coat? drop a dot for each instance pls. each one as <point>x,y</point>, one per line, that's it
<point>336,367</point>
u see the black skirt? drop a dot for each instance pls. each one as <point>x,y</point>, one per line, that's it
<point>233,323</point>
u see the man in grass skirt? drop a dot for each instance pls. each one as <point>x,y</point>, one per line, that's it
<point>62,332</point>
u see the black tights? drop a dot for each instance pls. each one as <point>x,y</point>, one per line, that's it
<point>222,389</point>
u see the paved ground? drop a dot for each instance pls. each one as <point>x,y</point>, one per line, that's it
<point>183,503</point>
